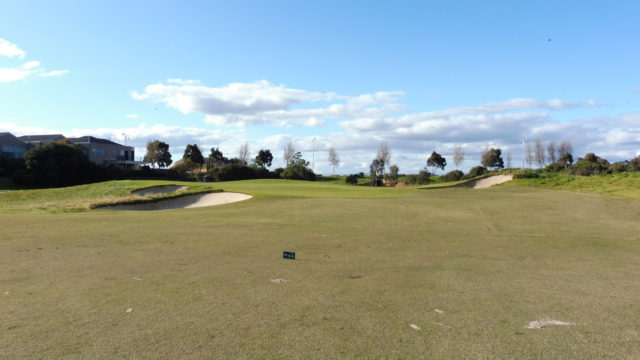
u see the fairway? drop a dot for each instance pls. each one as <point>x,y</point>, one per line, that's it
<point>468,268</point>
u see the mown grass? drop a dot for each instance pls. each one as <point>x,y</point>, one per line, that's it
<point>371,262</point>
<point>622,184</point>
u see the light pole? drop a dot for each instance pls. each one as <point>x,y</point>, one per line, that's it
<point>125,151</point>
<point>313,155</point>
<point>523,140</point>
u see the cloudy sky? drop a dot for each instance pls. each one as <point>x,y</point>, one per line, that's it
<point>422,76</point>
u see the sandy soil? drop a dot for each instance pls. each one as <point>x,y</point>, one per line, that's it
<point>184,202</point>
<point>155,190</point>
<point>491,180</point>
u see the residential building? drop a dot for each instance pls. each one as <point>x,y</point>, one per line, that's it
<point>102,151</point>
<point>12,147</point>
<point>35,140</point>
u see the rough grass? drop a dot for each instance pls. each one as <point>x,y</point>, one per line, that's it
<point>85,197</point>
<point>371,262</point>
<point>623,184</point>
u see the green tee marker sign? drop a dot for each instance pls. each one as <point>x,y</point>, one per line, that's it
<point>289,255</point>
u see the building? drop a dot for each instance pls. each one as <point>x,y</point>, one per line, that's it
<point>12,147</point>
<point>35,140</point>
<point>100,151</point>
<point>103,151</point>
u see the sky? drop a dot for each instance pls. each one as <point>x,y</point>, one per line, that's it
<point>422,76</point>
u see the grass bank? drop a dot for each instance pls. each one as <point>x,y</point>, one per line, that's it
<point>622,184</point>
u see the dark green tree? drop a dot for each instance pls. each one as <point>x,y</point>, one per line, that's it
<point>298,169</point>
<point>264,158</point>
<point>158,154</point>
<point>376,169</point>
<point>192,152</point>
<point>216,158</point>
<point>492,158</point>
<point>59,164</point>
<point>436,161</point>
<point>391,177</point>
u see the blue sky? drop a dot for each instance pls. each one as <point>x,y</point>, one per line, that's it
<point>421,75</point>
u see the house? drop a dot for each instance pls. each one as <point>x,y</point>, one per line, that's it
<point>12,147</point>
<point>35,140</point>
<point>102,151</point>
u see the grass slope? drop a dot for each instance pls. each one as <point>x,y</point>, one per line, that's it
<point>623,184</point>
<point>371,262</point>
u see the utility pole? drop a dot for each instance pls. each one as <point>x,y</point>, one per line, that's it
<point>523,140</point>
<point>313,156</point>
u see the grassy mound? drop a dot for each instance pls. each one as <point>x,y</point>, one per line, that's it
<point>623,184</point>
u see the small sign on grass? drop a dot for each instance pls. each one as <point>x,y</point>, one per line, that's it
<point>289,255</point>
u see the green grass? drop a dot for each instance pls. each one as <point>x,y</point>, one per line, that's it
<point>85,197</point>
<point>371,262</point>
<point>623,184</point>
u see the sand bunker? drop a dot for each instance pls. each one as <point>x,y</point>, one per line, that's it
<point>490,181</point>
<point>184,202</point>
<point>157,190</point>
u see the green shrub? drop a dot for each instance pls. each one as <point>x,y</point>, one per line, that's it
<point>618,167</point>
<point>423,178</point>
<point>298,172</point>
<point>526,174</point>
<point>454,175</point>
<point>475,172</point>
<point>351,179</point>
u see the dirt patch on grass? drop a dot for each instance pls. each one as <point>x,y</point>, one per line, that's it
<point>541,324</point>
<point>183,202</point>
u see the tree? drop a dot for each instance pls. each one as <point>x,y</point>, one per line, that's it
<point>436,161</point>
<point>392,177</point>
<point>492,158</point>
<point>192,152</point>
<point>458,155</point>
<point>264,158</point>
<point>58,164</point>
<point>216,158</point>
<point>565,147</point>
<point>530,154</point>
<point>298,169</point>
<point>184,167</point>
<point>384,155</point>
<point>289,153</point>
<point>334,160</point>
<point>375,170</point>
<point>243,154</point>
<point>552,152</point>
<point>158,154</point>
<point>539,153</point>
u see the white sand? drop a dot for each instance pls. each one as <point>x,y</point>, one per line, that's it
<point>184,202</point>
<point>156,190</point>
<point>491,180</point>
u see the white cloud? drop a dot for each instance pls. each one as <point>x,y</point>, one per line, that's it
<point>245,104</point>
<point>11,50</point>
<point>25,70</point>
<point>133,116</point>
<point>54,73</point>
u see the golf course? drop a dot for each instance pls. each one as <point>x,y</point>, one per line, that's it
<point>507,272</point>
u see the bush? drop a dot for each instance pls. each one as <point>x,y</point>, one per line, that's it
<point>475,172</point>
<point>60,164</point>
<point>591,164</point>
<point>555,167</point>
<point>423,178</point>
<point>351,179</point>
<point>232,172</point>
<point>634,164</point>
<point>618,167</point>
<point>454,175</point>
<point>298,172</point>
<point>526,174</point>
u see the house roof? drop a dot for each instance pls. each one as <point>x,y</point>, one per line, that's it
<point>91,139</point>
<point>40,138</point>
<point>7,138</point>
